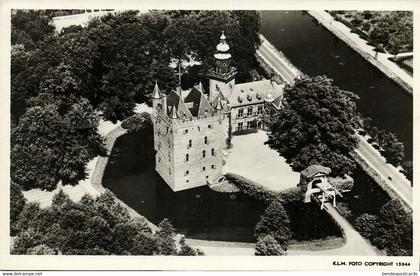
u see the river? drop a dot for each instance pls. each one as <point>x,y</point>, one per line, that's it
<point>316,51</point>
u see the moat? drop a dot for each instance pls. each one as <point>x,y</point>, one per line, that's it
<point>199,213</point>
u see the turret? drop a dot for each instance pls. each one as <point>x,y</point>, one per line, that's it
<point>173,114</point>
<point>222,75</point>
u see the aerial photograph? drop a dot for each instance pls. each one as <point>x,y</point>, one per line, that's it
<point>211,132</point>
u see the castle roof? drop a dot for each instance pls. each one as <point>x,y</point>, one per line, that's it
<point>156,92</point>
<point>312,170</point>
<point>277,102</point>
<point>254,92</point>
<point>198,103</point>
<point>173,99</point>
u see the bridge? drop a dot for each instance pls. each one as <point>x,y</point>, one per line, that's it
<point>386,175</point>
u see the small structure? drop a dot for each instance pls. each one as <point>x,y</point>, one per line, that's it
<point>315,180</point>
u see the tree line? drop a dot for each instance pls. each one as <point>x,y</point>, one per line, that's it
<point>92,226</point>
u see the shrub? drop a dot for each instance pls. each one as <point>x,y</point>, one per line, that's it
<point>366,224</point>
<point>137,122</point>
<point>268,246</point>
<point>251,188</point>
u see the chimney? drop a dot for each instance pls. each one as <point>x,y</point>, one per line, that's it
<point>164,104</point>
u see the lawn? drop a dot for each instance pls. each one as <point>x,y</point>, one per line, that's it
<point>250,158</point>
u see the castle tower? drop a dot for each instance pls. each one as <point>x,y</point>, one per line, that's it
<point>222,75</point>
<point>189,138</point>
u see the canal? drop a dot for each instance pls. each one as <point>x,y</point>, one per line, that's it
<point>316,51</point>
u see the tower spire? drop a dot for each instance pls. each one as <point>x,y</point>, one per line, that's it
<point>173,114</point>
<point>156,91</point>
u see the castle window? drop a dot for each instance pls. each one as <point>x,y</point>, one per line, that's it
<point>204,169</point>
<point>185,131</point>
<point>240,113</point>
<point>187,157</point>
<point>189,144</point>
<point>205,140</point>
<point>187,181</point>
<point>187,172</point>
<point>240,125</point>
<point>213,166</point>
<point>249,111</point>
<point>204,153</point>
<point>169,170</point>
<point>260,109</point>
<point>158,159</point>
<point>212,152</point>
<point>210,126</point>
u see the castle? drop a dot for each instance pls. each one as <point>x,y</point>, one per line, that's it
<point>191,128</point>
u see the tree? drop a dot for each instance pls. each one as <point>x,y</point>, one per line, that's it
<point>275,222</point>
<point>268,246</point>
<point>17,203</point>
<point>165,236</point>
<point>395,229</point>
<point>315,125</point>
<point>48,146</point>
<point>393,149</point>
<point>29,27</point>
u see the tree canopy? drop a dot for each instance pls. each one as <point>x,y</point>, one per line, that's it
<point>115,60</point>
<point>98,226</point>
<point>51,144</point>
<point>315,125</point>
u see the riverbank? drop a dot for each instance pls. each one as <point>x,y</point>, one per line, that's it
<point>390,69</point>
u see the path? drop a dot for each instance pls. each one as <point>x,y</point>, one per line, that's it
<point>277,61</point>
<point>355,244</point>
<point>389,68</point>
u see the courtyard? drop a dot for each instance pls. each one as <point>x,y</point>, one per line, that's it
<point>250,158</point>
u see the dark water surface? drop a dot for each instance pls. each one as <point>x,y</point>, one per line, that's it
<point>316,51</point>
<point>198,213</point>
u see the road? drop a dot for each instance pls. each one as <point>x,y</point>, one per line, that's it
<point>279,64</point>
<point>398,182</point>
